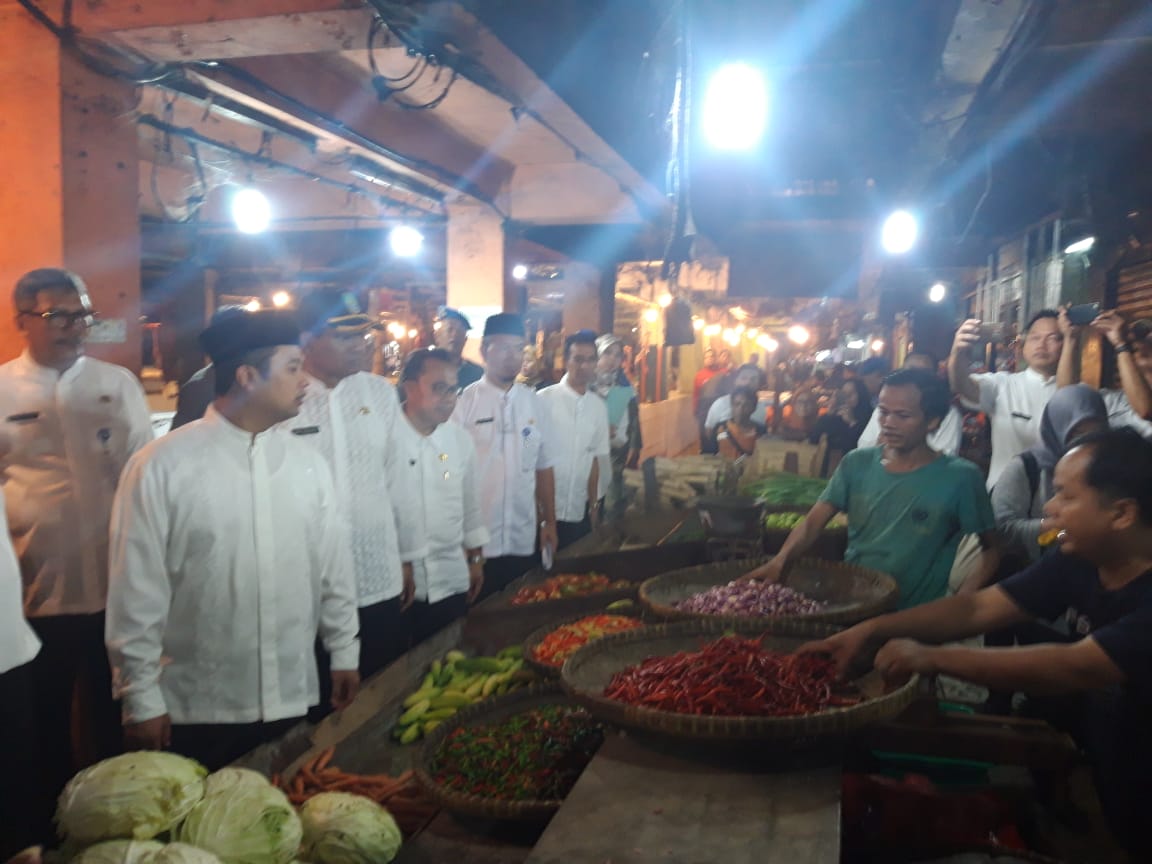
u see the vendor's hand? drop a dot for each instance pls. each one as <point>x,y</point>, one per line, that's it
<point>845,647</point>
<point>772,571</point>
<point>549,537</point>
<point>1067,328</point>
<point>967,335</point>
<point>475,581</point>
<point>152,734</point>
<point>1113,326</point>
<point>408,592</point>
<point>633,460</point>
<point>345,686</point>
<point>900,659</point>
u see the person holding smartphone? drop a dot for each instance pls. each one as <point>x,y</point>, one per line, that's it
<point>1013,401</point>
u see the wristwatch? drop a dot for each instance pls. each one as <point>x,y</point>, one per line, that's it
<point>476,559</point>
<point>1123,348</point>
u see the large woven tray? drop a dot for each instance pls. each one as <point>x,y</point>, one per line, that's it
<point>488,711</point>
<point>538,636</point>
<point>851,593</point>
<point>590,669</point>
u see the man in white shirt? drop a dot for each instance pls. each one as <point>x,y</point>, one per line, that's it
<point>517,487</point>
<point>228,555</point>
<point>578,424</point>
<point>25,806</point>
<point>747,376</point>
<point>432,466</point>
<point>349,416</point>
<point>73,423</point>
<point>946,439</point>
<point>1013,401</point>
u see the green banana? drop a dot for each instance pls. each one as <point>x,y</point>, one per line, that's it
<point>415,711</point>
<point>429,693</point>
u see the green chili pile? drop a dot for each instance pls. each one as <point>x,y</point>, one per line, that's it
<point>534,756</point>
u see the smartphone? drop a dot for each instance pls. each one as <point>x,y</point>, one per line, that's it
<point>1083,313</point>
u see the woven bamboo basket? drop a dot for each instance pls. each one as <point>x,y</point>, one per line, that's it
<point>850,593</point>
<point>590,669</point>
<point>488,711</point>
<point>538,636</point>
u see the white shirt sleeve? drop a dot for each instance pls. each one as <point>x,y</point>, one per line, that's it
<point>339,624</point>
<point>950,432</point>
<point>989,384</point>
<point>137,413</point>
<point>601,443</point>
<point>411,533</point>
<point>546,455</point>
<point>139,592</point>
<point>475,531</point>
<point>718,412</point>
<point>871,434</point>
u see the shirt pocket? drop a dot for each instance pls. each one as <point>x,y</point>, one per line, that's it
<point>483,431</point>
<point>529,448</point>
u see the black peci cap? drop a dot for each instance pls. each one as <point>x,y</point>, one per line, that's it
<point>233,335</point>
<point>504,324</point>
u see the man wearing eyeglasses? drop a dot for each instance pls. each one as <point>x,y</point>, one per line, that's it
<point>73,423</point>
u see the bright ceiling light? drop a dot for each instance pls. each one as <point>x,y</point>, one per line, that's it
<point>697,324</point>
<point>251,211</point>
<point>252,305</point>
<point>769,344</point>
<point>712,330</point>
<point>1080,246</point>
<point>405,241</point>
<point>651,316</point>
<point>937,292</point>
<point>877,345</point>
<point>413,333</point>
<point>281,299</point>
<point>821,356</point>
<point>735,107</point>
<point>731,337</point>
<point>752,333</point>
<point>740,328</point>
<point>665,300</point>
<point>520,272</point>
<point>855,344</point>
<point>396,329</point>
<point>899,233</point>
<point>798,334</point>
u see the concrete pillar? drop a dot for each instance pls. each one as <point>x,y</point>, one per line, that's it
<point>70,195</point>
<point>475,252</point>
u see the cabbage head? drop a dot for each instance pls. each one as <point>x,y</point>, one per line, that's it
<point>182,853</point>
<point>133,797</point>
<point>340,828</point>
<point>242,819</point>
<point>119,852</point>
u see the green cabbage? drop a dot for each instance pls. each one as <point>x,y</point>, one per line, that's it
<point>340,828</point>
<point>243,819</point>
<point>134,796</point>
<point>182,853</point>
<point>119,852</point>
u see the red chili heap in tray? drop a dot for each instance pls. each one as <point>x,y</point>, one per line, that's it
<point>567,585</point>
<point>732,677</point>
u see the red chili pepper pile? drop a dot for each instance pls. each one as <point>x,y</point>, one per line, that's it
<point>562,642</point>
<point>732,677</point>
<point>566,585</point>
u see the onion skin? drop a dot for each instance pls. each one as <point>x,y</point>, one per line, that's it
<point>750,599</point>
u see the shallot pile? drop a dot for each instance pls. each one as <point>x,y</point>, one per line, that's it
<point>752,599</point>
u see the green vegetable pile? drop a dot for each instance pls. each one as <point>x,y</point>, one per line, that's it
<point>534,756</point>
<point>456,682</point>
<point>783,521</point>
<point>782,489</point>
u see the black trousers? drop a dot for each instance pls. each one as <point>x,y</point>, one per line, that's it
<point>215,745</point>
<point>500,572</point>
<point>568,533</point>
<point>26,805</point>
<point>385,634</point>
<point>78,721</point>
<point>428,619</point>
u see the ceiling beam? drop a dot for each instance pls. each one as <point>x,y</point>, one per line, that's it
<point>109,16</point>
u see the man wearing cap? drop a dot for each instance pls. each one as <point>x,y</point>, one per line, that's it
<point>349,417</point>
<point>228,555</point>
<point>432,467</point>
<point>197,393</point>
<point>506,423</point>
<point>578,424</point>
<point>72,423</point>
<point>1131,405</point>
<point>451,331</point>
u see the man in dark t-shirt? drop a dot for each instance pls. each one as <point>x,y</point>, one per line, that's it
<point>1101,581</point>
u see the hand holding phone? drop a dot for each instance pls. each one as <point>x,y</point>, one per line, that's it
<point>1082,314</point>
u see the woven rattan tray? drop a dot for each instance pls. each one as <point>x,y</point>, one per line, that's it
<point>538,636</point>
<point>589,670</point>
<point>851,593</point>
<point>488,711</point>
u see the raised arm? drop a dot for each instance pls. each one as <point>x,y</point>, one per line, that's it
<point>1136,389</point>
<point>959,376</point>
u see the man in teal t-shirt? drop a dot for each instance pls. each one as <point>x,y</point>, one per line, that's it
<point>907,505</point>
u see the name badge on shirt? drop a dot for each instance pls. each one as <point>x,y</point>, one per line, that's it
<point>485,420</point>
<point>307,430</point>
<point>26,417</point>
<point>1020,416</point>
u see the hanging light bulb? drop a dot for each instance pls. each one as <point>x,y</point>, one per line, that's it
<point>405,241</point>
<point>251,211</point>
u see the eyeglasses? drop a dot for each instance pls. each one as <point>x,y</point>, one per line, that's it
<point>62,319</point>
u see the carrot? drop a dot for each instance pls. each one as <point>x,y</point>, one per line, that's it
<point>298,785</point>
<point>324,758</point>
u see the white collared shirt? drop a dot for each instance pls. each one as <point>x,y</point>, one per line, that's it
<point>79,429</point>
<point>720,411</point>
<point>946,439</point>
<point>1014,402</point>
<point>228,555</point>
<point>351,425</point>
<point>435,476</point>
<point>18,644</point>
<point>578,424</point>
<point>1121,413</point>
<point>512,444</point>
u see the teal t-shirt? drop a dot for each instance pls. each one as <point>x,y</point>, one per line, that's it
<point>908,525</point>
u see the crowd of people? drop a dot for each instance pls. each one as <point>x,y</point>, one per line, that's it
<point>303,524</point>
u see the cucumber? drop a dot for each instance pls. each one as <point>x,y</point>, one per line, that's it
<point>415,711</point>
<point>430,725</point>
<point>473,691</point>
<point>451,699</point>
<point>455,656</point>
<point>513,652</point>
<point>487,665</point>
<point>410,734</point>
<point>438,714</point>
